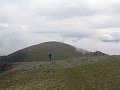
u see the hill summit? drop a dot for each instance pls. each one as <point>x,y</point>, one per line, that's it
<point>40,52</point>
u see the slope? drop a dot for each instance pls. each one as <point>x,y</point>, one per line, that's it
<point>40,52</point>
<point>103,74</point>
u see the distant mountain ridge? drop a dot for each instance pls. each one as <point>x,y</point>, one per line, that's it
<point>40,53</point>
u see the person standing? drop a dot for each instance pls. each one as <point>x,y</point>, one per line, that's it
<point>50,56</point>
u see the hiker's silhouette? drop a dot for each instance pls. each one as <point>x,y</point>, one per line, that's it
<point>50,56</point>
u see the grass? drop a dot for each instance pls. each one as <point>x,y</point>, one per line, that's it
<point>97,76</point>
<point>40,52</point>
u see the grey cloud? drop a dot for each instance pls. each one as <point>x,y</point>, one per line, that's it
<point>63,13</point>
<point>92,44</point>
<point>80,23</point>
<point>116,41</point>
<point>14,1</point>
<point>77,34</point>
<point>114,8</point>
<point>20,12</point>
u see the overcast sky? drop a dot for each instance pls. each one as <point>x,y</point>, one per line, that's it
<point>88,24</point>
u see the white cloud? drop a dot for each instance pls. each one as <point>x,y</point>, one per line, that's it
<point>81,23</point>
<point>92,44</point>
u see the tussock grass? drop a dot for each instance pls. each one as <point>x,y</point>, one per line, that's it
<point>103,75</point>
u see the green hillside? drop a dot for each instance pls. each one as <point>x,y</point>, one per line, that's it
<point>5,67</point>
<point>70,69</point>
<point>40,52</point>
<point>99,73</point>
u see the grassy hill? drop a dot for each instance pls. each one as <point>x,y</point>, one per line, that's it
<point>5,67</point>
<point>91,73</point>
<point>70,69</point>
<point>40,52</point>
